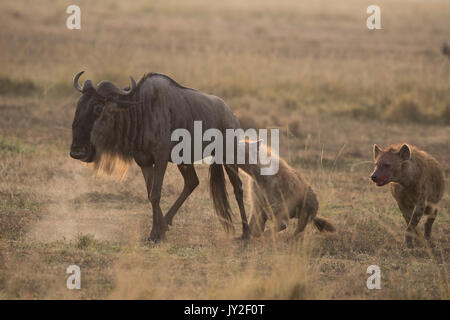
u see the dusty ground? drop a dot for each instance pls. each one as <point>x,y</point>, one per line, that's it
<point>312,69</point>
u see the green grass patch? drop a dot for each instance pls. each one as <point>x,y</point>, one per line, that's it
<point>24,87</point>
<point>15,146</point>
<point>17,211</point>
<point>88,242</point>
<point>61,89</point>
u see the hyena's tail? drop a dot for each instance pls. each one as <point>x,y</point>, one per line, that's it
<point>219,195</point>
<point>323,225</point>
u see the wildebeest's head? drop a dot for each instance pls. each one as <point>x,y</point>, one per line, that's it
<point>89,107</point>
<point>390,164</point>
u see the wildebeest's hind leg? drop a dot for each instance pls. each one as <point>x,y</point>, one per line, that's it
<point>154,176</point>
<point>190,183</point>
<point>233,175</point>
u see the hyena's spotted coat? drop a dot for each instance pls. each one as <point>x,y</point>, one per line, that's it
<point>417,183</point>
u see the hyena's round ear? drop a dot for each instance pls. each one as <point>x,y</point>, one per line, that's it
<point>376,151</point>
<point>405,152</point>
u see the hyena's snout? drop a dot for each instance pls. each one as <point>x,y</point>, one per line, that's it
<point>373,176</point>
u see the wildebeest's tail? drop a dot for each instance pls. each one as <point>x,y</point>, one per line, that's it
<point>323,224</point>
<point>220,196</point>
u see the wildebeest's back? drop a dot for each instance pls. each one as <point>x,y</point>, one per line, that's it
<point>187,105</point>
<point>170,106</point>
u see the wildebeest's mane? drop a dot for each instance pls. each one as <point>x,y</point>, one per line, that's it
<point>152,74</point>
<point>119,133</point>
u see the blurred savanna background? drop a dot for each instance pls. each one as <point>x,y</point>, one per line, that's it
<point>310,68</point>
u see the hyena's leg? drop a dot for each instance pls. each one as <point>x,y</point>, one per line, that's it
<point>431,214</point>
<point>307,210</point>
<point>257,221</point>
<point>303,220</point>
<point>279,217</point>
<point>407,209</point>
<point>411,229</point>
<point>279,222</point>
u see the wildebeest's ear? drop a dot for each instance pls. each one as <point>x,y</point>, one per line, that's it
<point>376,151</point>
<point>405,152</point>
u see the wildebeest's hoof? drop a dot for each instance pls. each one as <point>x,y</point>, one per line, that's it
<point>409,244</point>
<point>156,236</point>
<point>155,239</point>
<point>243,237</point>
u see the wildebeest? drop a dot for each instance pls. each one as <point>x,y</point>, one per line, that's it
<point>417,183</point>
<point>281,196</point>
<point>113,124</point>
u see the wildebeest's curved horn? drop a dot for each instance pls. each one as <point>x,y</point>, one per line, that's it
<point>75,81</point>
<point>106,88</point>
<point>87,84</point>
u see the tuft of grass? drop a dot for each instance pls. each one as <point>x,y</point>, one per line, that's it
<point>85,241</point>
<point>24,87</point>
<point>17,211</point>
<point>405,110</point>
<point>15,146</point>
<point>61,89</point>
<point>445,116</point>
<point>362,111</point>
<point>88,242</point>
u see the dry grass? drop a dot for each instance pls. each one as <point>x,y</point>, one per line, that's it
<point>311,68</point>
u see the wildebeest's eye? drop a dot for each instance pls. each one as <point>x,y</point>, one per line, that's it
<point>98,108</point>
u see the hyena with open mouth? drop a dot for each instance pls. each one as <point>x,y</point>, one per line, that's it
<point>417,184</point>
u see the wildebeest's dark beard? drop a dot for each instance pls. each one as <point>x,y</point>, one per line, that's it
<point>117,134</point>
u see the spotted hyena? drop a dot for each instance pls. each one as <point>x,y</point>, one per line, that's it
<point>280,197</point>
<point>417,183</point>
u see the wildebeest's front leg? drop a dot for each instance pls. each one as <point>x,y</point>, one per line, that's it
<point>233,175</point>
<point>154,176</point>
<point>190,183</point>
